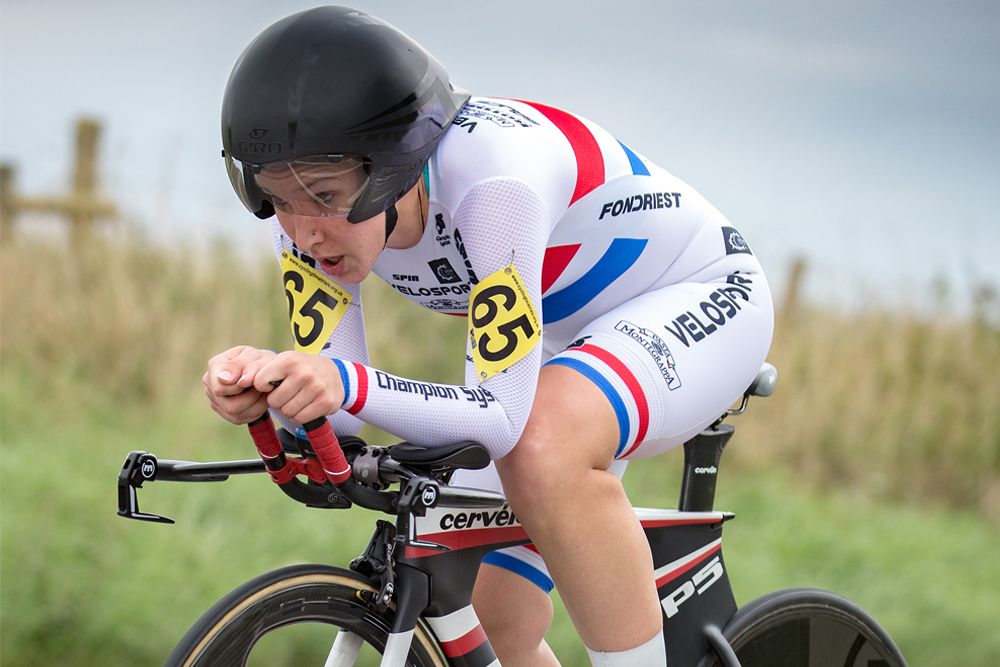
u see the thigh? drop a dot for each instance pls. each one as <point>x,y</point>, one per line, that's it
<point>672,360</point>
<point>522,563</point>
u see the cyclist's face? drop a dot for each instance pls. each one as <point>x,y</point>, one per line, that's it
<point>311,203</point>
<point>343,250</point>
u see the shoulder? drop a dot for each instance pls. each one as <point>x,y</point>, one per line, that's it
<point>500,137</point>
<point>494,138</point>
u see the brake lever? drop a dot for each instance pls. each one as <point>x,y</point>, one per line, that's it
<point>139,467</point>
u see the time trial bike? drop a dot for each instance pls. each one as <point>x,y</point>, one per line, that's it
<point>406,599</point>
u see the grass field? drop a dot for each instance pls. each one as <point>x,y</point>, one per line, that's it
<point>874,471</point>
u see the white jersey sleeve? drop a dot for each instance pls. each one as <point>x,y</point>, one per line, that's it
<point>501,221</point>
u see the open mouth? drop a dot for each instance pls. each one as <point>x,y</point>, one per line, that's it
<point>331,265</point>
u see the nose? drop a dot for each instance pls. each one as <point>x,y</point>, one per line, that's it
<point>307,232</point>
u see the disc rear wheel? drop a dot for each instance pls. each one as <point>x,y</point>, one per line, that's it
<point>808,628</point>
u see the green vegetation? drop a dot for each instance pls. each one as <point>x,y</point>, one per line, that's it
<point>874,471</point>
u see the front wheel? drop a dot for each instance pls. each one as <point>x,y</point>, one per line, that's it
<point>807,628</point>
<point>298,615</point>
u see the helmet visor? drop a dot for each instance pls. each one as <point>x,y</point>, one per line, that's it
<point>320,186</point>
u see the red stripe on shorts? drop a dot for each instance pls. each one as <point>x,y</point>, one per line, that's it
<point>615,364</point>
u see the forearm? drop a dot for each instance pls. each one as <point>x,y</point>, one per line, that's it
<point>428,413</point>
<point>342,423</point>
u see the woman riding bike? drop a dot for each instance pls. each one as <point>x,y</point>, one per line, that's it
<point>612,312</point>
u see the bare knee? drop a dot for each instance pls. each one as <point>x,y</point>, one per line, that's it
<point>531,471</point>
<point>541,479</point>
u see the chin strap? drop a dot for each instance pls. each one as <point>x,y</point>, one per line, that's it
<point>391,218</point>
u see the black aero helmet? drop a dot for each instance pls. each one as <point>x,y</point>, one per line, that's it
<point>332,111</point>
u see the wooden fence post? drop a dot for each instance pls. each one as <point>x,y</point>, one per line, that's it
<point>80,207</point>
<point>84,192</point>
<point>6,202</point>
<point>790,302</point>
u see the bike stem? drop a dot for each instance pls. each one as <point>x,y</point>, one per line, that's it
<point>332,461</point>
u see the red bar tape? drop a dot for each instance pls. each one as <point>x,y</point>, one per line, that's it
<point>324,443</point>
<point>266,438</point>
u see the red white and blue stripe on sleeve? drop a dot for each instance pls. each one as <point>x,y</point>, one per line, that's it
<point>355,380</point>
<point>618,384</point>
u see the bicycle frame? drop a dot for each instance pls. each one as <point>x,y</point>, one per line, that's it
<point>691,579</point>
<point>446,546</point>
<point>428,560</point>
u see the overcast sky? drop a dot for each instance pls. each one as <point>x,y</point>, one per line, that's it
<point>864,135</point>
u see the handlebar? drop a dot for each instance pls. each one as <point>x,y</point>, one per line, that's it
<point>331,479</point>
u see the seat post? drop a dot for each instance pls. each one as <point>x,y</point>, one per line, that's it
<point>702,455</point>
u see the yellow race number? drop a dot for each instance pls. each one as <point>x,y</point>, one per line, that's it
<point>316,304</point>
<point>503,325</point>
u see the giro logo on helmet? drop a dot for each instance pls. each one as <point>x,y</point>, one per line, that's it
<point>258,133</point>
<point>272,147</point>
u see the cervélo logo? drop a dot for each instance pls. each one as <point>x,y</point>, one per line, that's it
<point>463,520</point>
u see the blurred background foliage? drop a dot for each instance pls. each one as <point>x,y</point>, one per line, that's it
<point>873,471</point>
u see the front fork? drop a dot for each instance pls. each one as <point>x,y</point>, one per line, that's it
<point>378,564</point>
<point>457,630</point>
<point>414,588</point>
<point>403,584</point>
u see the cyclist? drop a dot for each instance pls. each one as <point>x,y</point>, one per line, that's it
<point>520,217</point>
